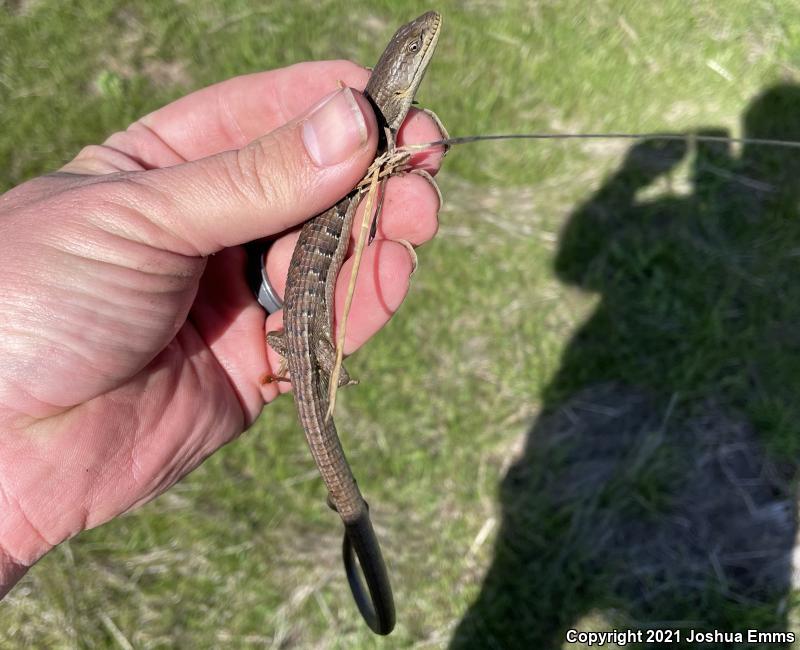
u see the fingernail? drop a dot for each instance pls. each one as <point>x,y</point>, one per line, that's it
<point>335,130</point>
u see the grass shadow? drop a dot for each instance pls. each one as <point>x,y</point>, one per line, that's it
<point>656,489</point>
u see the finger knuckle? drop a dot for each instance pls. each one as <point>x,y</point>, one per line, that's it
<point>267,171</point>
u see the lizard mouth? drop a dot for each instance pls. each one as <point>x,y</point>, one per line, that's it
<point>430,46</point>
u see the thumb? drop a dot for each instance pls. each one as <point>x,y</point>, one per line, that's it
<point>275,182</point>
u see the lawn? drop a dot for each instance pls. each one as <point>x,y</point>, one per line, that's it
<point>584,415</point>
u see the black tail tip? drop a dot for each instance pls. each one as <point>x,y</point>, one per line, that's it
<point>377,604</point>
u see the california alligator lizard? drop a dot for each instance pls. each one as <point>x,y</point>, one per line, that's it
<point>306,342</point>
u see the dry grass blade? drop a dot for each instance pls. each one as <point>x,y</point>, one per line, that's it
<point>333,383</point>
<point>384,166</point>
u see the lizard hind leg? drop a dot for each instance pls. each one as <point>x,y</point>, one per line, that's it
<point>326,358</point>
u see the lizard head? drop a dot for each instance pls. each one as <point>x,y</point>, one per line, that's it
<point>398,73</point>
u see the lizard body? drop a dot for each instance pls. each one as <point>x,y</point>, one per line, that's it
<point>306,342</point>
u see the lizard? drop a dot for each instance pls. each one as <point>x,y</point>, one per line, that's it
<point>306,342</point>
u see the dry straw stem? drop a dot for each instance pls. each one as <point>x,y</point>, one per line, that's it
<point>384,166</point>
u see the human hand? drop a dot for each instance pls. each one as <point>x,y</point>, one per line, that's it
<point>131,347</point>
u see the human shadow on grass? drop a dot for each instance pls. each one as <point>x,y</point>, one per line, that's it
<point>655,489</point>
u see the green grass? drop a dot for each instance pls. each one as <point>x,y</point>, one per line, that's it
<point>502,527</point>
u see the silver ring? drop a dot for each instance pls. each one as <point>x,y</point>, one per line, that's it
<point>267,297</point>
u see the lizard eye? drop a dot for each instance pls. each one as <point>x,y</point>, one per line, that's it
<point>413,46</point>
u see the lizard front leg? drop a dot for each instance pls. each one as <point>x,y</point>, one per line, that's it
<point>277,341</point>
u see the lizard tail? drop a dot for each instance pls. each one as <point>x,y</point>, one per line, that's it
<point>360,541</point>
